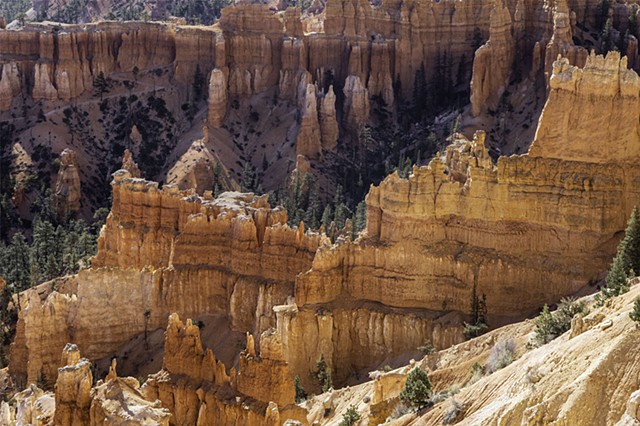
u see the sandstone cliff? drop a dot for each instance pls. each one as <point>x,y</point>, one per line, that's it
<point>233,256</point>
<point>589,132</point>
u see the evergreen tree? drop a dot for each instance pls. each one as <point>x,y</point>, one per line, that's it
<point>327,216</point>
<point>323,374</point>
<point>100,85</point>
<point>419,92</point>
<point>360,219</point>
<point>616,279</point>
<point>198,84</point>
<point>14,264</point>
<point>311,216</point>
<point>417,389</point>
<point>350,417</point>
<point>607,37</point>
<point>248,178</point>
<point>342,212</point>
<point>478,324</point>
<point>301,395</point>
<point>626,261</point>
<point>633,20</point>
<point>635,313</point>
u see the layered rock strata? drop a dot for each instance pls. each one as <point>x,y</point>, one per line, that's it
<point>574,124</point>
<point>165,251</point>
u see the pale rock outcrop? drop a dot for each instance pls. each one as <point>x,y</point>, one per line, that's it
<point>118,401</point>
<point>356,104</point>
<point>43,87</point>
<point>67,191</point>
<point>196,169</point>
<point>493,62</point>
<point>561,43</point>
<point>308,142</point>
<point>597,107</point>
<point>129,164</point>
<point>328,120</point>
<point>73,389</point>
<point>33,406</point>
<point>217,98</point>
<point>631,416</point>
<point>9,84</point>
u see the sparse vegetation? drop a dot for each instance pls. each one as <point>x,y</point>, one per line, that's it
<point>477,372</point>
<point>502,354</point>
<point>350,417</point>
<point>427,348</point>
<point>550,325</point>
<point>453,413</point>
<point>323,374</point>
<point>625,263</point>
<point>478,324</point>
<point>417,389</point>
<point>301,395</point>
<point>635,313</point>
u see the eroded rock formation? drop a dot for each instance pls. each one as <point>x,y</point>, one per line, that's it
<point>493,61</point>
<point>67,192</point>
<point>217,98</point>
<point>233,256</point>
<point>597,107</point>
<point>197,390</point>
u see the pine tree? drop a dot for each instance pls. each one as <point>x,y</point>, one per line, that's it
<point>417,389</point>
<point>323,374</point>
<point>342,212</point>
<point>15,263</point>
<point>350,417</point>
<point>607,38</point>
<point>301,395</point>
<point>360,219</point>
<point>100,85</point>
<point>635,313</point>
<point>627,259</point>
<point>313,208</point>
<point>198,84</point>
<point>616,279</point>
<point>327,216</point>
<point>629,248</point>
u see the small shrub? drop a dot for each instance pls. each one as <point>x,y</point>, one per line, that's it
<point>400,410</point>
<point>350,417</point>
<point>635,313</point>
<point>502,354</point>
<point>550,325</point>
<point>427,348</point>
<point>476,373</point>
<point>453,412</point>
<point>474,330</point>
<point>386,368</point>
<point>417,390</point>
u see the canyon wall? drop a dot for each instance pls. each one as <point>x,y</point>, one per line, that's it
<point>165,251</point>
<point>448,230</point>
